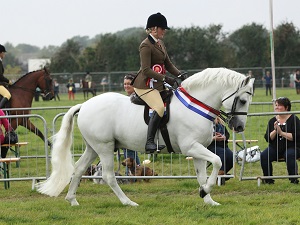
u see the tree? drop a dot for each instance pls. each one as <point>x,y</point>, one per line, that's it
<point>286,45</point>
<point>67,58</point>
<point>195,47</point>
<point>251,46</point>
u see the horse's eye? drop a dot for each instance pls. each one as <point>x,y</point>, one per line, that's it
<point>243,102</point>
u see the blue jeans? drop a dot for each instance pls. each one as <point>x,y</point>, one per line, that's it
<point>270,155</point>
<point>225,155</point>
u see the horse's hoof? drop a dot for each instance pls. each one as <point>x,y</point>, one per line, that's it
<point>208,200</point>
<point>72,201</point>
<point>131,203</point>
<point>202,192</point>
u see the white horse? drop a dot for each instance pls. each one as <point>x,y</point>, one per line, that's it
<point>110,121</point>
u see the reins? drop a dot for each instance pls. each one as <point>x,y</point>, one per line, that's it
<point>23,88</point>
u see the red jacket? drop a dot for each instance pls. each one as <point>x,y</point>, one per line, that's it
<point>3,122</point>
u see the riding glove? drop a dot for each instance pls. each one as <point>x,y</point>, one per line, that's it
<point>182,76</point>
<point>170,80</point>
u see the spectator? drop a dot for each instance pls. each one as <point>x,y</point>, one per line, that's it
<point>268,82</point>
<point>56,90</point>
<point>219,146</point>
<point>297,81</point>
<point>283,135</point>
<point>37,94</point>
<point>3,123</point>
<point>127,152</point>
<point>104,82</point>
<point>251,76</point>
<point>71,89</point>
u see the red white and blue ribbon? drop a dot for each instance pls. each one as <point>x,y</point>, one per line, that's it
<point>195,105</point>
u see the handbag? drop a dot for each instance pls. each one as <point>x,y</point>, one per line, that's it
<point>11,137</point>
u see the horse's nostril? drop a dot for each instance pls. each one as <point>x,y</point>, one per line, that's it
<point>239,129</point>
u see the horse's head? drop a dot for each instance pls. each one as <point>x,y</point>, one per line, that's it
<point>46,85</point>
<point>237,104</point>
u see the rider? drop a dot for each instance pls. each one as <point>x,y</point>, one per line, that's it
<point>148,83</point>
<point>88,79</point>
<point>3,80</point>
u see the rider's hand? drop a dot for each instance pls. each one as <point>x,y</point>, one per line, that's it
<point>182,76</point>
<point>170,80</point>
<point>10,82</point>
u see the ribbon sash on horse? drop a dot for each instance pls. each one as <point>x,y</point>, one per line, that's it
<point>195,105</point>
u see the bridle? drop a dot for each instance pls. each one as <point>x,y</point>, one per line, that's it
<point>228,116</point>
<point>48,82</point>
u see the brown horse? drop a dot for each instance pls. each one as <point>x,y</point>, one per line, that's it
<point>86,89</point>
<point>22,93</point>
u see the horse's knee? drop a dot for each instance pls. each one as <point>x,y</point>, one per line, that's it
<point>216,161</point>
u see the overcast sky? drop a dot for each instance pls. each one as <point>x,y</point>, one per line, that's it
<point>52,22</point>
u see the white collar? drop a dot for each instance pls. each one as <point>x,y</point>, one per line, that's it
<point>155,39</point>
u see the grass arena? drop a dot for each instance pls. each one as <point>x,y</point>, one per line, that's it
<point>170,200</point>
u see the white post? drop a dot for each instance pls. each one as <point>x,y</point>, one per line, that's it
<point>272,51</point>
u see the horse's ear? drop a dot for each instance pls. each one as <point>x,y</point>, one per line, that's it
<point>46,70</point>
<point>246,81</point>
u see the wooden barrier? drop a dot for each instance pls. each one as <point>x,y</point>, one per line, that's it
<point>16,149</point>
<point>5,162</point>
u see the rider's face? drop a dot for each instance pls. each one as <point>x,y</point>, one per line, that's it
<point>161,32</point>
<point>2,55</point>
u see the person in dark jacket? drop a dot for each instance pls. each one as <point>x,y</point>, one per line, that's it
<point>283,135</point>
<point>4,82</point>
<point>150,78</point>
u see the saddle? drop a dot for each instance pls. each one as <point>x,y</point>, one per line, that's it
<point>166,96</point>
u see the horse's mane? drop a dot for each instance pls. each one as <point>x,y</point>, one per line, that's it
<point>27,74</point>
<point>218,76</point>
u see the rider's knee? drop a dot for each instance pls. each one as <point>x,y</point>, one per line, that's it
<point>7,95</point>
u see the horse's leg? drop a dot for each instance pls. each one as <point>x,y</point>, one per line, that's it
<point>108,174</point>
<point>81,165</point>
<point>200,166</point>
<point>200,155</point>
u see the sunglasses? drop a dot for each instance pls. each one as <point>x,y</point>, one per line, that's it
<point>282,98</point>
<point>129,77</point>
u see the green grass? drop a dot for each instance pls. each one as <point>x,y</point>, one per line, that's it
<point>167,201</point>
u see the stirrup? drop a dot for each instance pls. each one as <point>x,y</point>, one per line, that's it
<point>157,149</point>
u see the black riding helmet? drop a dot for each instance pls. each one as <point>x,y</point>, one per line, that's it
<point>2,48</point>
<point>157,20</point>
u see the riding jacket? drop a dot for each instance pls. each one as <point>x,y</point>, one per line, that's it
<point>153,58</point>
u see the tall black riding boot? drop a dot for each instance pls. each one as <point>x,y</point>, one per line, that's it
<point>152,128</point>
<point>3,102</point>
<point>4,151</point>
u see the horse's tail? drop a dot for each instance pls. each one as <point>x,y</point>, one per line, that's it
<point>61,160</point>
